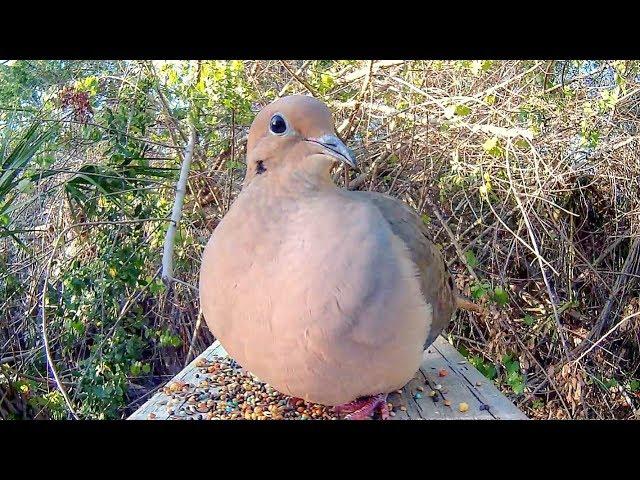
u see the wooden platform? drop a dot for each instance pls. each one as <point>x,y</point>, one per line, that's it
<point>439,397</point>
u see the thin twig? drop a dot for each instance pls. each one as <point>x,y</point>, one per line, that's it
<point>453,239</point>
<point>300,80</point>
<point>628,317</point>
<point>176,213</point>
<point>194,335</point>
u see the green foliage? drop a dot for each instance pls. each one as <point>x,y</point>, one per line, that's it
<point>492,147</point>
<point>510,368</point>
<point>217,90</point>
<point>462,110</point>
<point>471,259</point>
<point>478,67</point>
<point>52,402</point>
<point>139,367</point>
<point>500,296</point>
<point>98,304</point>
<point>513,376</point>
<point>459,110</point>
<point>168,339</point>
<point>21,153</point>
<point>88,308</point>
<point>480,290</point>
<point>234,165</point>
<point>322,77</point>
<point>14,176</point>
<point>486,368</point>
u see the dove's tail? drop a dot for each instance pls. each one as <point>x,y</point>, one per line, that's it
<point>466,304</point>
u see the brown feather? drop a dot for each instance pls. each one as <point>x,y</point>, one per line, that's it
<point>435,280</point>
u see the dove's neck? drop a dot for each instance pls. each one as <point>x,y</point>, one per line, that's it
<point>306,179</point>
<point>274,199</point>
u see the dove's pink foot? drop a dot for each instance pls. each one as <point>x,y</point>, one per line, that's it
<point>292,402</point>
<point>364,408</point>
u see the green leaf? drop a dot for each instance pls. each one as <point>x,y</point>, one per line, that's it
<point>517,385</point>
<point>78,327</point>
<point>234,165</point>
<point>426,219</point>
<point>479,66</point>
<point>462,110</point>
<point>537,404</point>
<point>492,147</point>
<point>135,369</point>
<point>25,185</point>
<point>487,369</point>
<point>512,366</point>
<point>17,160</point>
<point>490,371</point>
<point>472,261</point>
<point>500,296</point>
<point>529,320</point>
<point>513,378</point>
<point>479,290</point>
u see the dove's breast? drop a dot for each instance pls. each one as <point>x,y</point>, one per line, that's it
<point>316,297</point>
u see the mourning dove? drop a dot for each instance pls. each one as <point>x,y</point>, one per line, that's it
<point>326,294</point>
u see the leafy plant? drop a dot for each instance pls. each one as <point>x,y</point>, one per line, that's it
<point>500,296</point>
<point>492,147</point>
<point>472,261</point>
<point>480,290</point>
<point>513,377</point>
<point>537,404</point>
<point>486,368</point>
<point>13,164</point>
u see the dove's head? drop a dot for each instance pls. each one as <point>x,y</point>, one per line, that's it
<point>295,137</point>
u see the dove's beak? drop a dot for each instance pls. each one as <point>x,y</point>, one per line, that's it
<point>334,147</point>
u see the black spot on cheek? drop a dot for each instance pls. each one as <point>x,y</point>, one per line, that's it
<point>260,168</point>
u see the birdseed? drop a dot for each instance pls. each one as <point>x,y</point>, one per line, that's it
<point>223,391</point>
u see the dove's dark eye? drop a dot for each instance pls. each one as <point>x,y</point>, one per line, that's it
<point>278,124</point>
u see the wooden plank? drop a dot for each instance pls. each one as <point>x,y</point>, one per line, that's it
<point>480,387</point>
<point>451,389</point>
<point>462,383</point>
